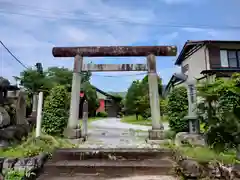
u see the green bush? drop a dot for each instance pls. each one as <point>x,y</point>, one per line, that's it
<point>14,174</point>
<point>177,109</point>
<point>33,146</point>
<point>220,109</point>
<point>56,111</point>
<point>168,134</point>
<point>102,114</point>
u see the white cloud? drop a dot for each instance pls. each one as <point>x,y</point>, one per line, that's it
<point>168,38</point>
<point>192,29</point>
<point>177,1</point>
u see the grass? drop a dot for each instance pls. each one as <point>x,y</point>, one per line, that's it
<point>91,119</point>
<point>140,121</point>
<point>33,146</point>
<point>133,120</point>
<point>205,154</point>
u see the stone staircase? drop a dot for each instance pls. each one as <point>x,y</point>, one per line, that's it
<point>108,163</point>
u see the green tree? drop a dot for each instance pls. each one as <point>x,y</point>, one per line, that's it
<point>63,76</point>
<point>132,98</point>
<point>219,109</point>
<point>91,96</point>
<point>56,111</point>
<point>32,80</point>
<point>137,98</point>
<point>177,109</point>
<point>146,86</point>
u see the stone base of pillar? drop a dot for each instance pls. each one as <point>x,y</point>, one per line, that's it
<point>34,114</point>
<point>71,133</point>
<point>155,134</point>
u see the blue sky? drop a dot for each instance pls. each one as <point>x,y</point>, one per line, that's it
<point>31,28</point>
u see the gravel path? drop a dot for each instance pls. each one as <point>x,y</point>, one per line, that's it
<point>109,123</point>
<point>113,133</point>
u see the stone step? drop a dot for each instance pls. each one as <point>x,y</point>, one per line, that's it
<point>110,153</point>
<point>107,168</point>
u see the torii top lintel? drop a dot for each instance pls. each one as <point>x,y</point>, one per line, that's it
<point>114,51</point>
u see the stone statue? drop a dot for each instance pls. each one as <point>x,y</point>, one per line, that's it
<point>4,117</point>
<point>21,109</point>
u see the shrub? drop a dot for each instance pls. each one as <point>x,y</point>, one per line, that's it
<point>220,111</point>
<point>102,114</point>
<point>56,111</point>
<point>14,174</point>
<point>146,113</point>
<point>168,134</point>
<point>177,109</point>
<point>33,146</point>
<point>163,106</point>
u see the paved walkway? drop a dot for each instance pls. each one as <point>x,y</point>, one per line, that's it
<point>113,133</point>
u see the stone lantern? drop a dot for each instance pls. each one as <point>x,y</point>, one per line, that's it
<point>194,126</point>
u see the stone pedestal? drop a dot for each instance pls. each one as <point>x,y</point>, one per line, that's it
<point>155,134</point>
<point>72,133</point>
<point>194,125</point>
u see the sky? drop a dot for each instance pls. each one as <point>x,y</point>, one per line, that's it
<point>30,29</point>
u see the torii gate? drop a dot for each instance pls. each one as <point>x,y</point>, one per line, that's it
<point>73,130</point>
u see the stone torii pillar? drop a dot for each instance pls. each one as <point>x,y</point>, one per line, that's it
<point>155,133</point>
<point>115,51</point>
<point>73,130</point>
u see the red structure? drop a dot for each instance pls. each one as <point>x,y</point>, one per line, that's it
<point>110,104</point>
<point>101,107</point>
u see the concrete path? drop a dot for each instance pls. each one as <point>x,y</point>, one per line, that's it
<point>113,133</point>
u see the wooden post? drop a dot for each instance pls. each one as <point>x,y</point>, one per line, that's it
<point>39,114</point>
<point>85,119</point>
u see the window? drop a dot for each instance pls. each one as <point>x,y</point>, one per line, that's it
<point>185,68</point>
<point>230,58</point>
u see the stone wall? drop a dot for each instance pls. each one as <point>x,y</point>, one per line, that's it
<point>30,165</point>
<point>13,123</point>
<point>192,169</point>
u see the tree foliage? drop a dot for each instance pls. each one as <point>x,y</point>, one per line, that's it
<point>34,81</point>
<point>220,110</point>
<point>56,110</point>
<point>63,76</point>
<point>91,97</point>
<point>177,109</point>
<point>137,99</point>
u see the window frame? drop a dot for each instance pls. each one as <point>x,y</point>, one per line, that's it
<point>237,51</point>
<point>185,69</point>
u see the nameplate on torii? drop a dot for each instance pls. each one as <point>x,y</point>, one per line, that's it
<point>114,67</point>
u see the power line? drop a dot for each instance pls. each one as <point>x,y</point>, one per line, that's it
<point>121,20</point>
<point>13,55</point>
